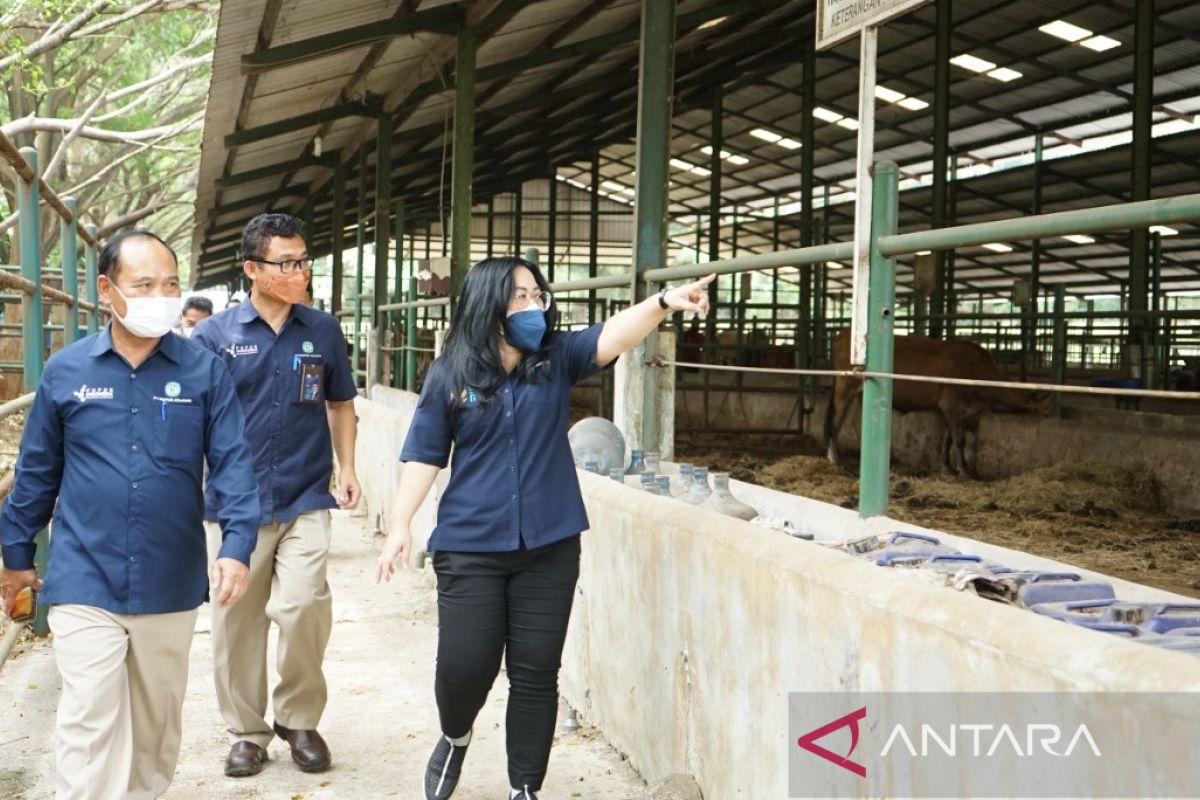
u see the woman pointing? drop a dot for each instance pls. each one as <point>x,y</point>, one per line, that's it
<point>506,546</point>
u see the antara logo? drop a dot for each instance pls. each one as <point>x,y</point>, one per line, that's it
<point>809,741</point>
<point>236,350</point>
<point>984,741</point>
<point>85,393</point>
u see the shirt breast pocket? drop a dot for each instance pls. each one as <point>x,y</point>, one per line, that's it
<point>181,434</point>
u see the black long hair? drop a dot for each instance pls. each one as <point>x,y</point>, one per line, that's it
<point>472,349</point>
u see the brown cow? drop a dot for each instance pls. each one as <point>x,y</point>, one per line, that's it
<point>960,406</point>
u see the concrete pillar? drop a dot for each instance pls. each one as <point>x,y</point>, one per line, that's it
<point>630,399</point>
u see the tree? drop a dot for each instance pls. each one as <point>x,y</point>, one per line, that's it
<point>112,95</point>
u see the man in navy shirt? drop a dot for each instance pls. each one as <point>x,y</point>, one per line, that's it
<point>294,380</point>
<point>118,435</point>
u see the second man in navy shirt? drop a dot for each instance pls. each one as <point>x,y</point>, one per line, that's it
<point>293,377</point>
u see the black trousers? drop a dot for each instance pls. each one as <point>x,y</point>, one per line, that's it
<point>516,604</point>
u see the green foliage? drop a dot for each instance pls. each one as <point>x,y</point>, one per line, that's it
<point>63,82</point>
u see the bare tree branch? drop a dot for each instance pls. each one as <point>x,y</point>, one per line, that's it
<point>165,75</point>
<point>61,153</point>
<point>133,217</point>
<point>33,124</point>
<point>56,38</point>
<point>101,27</point>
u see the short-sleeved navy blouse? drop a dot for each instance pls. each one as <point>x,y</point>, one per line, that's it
<point>513,480</point>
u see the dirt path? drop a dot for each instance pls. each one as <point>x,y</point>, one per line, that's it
<point>381,721</point>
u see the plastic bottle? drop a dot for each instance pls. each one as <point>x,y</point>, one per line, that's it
<point>664,485</point>
<point>722,500</point>
<point>637,463</point>
<point>652,462</point>
<point>683,482</point>
<point>699,491</point>
<point>617,474</point>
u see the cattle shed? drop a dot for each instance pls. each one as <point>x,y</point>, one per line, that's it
<point>1032,189</point>
<point>416,138</point>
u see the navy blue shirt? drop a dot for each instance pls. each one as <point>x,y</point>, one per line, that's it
<point>122,450</point>
<point>288,433</point>
<point>513,478</point>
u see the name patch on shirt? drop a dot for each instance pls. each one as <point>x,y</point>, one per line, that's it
<point>237,350</point>
<point>85,393</point>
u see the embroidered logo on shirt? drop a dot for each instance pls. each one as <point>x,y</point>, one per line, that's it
<point>236,350</point>
<point>307,347</point>
<point>85,393</point>
<point>173,389</point>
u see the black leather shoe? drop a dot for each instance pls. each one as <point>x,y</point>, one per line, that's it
<point>245,759</point>
<point>309,750</point>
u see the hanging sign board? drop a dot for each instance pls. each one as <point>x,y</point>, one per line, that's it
<point>838,20</point>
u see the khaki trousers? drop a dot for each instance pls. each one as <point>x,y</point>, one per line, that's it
<point>287,587</point>
<point>120,718</point>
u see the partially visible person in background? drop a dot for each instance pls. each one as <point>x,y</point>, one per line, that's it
<point>194,309</point>
<point>236,299</point>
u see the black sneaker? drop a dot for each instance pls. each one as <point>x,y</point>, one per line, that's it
<point>524,794</point>
<point>444,769</point>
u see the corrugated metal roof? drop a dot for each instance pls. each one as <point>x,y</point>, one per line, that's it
<point>558,111</point>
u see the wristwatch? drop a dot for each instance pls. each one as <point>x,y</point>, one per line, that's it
<point>662,299</point>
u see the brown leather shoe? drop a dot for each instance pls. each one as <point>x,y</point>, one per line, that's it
<point>245,759</point>
<point>309,750</point>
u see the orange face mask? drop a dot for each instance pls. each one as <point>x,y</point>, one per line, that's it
<point>290,288</point>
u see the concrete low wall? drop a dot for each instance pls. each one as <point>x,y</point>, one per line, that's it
<point>690,629</point>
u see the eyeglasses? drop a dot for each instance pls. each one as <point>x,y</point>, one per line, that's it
<point>522,300</point>
<point>290,265</point>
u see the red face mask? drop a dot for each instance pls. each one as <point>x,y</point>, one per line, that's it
<point>291,288</point>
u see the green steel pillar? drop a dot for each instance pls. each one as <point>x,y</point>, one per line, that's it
<point>1058,370</point>
<point>919,320</point>
<point>1155,322</point>
<point>518,222</point>
<point>717,141</point>
<point>32,338</point>
<point>70,272</point>
<point>951,293</point>
<point>552,228</point>
<point>90,264</point>
<point>1029,315</point>
<point>491,225</point>
<point>1143,119</point>
<point>397,319</point>
<point>463,166</point>
<point>309,214</point>
<point>656,82</point>
<point>383,231</point>
<point>594,234</point>
<point>337,233</point>
<point>941,150</point>
<point>807,218</point>
<point>360,242</point>
<point>877,392</point>
<point>410,338</point>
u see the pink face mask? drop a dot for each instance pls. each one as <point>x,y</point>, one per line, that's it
<point>291,288</point>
